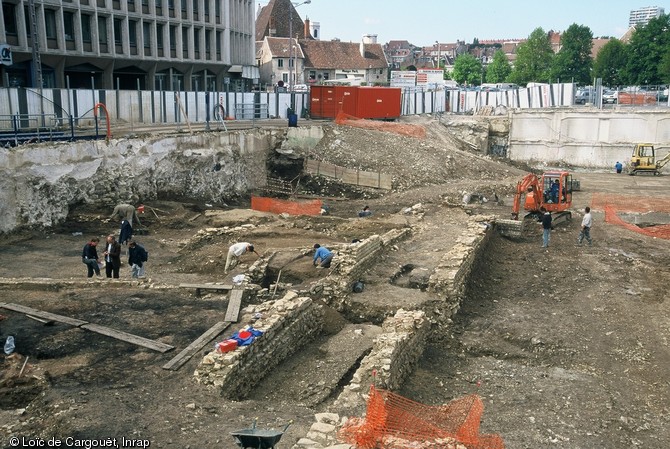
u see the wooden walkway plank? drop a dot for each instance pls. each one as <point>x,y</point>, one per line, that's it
<point>45,315</point>
<point>234,303</point>
<point>184,356</point>
<point>130,338</point>
<point>199,287</point>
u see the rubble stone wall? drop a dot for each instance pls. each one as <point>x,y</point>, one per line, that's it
<point>287,324</point>
<point>40,183</point>
<point>394,356</point>
<point>451,275</point>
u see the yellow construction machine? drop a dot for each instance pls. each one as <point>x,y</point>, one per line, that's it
<point>644,160</point>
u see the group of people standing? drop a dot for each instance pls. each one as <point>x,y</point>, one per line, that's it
<point>584,232</point>
<point>111,256</point>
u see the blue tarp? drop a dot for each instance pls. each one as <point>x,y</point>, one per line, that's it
<point>246,341</point>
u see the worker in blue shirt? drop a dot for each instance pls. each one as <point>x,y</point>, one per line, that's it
<point>618,166</point>
<point>554,191</point>
<point>324,255</point>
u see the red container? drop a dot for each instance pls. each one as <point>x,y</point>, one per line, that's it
<point>376,103</point>
<point>361,102</point>
<point>226,346</point>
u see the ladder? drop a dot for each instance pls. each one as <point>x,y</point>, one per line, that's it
<point>37,62</point>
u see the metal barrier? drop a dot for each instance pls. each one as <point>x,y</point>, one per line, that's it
<point>21,128</point>
<point>251,111</point>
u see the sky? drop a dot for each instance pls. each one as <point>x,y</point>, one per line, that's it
<point>422,22</point>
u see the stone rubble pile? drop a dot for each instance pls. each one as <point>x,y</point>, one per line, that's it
<point>323,433</point>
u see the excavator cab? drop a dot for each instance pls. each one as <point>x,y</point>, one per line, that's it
<point>556,192</point>
<point>644,160</point>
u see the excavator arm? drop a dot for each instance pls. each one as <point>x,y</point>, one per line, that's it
<point>662,162</point>
<point>529,183</point>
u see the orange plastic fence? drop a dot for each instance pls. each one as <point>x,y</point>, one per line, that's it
<point>615,204</point>
<point>276,206</point>
<point>392,421</point>
<point>404,129</point>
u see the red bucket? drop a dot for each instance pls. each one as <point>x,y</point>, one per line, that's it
<point>140,208</point>
<point>226,345</point>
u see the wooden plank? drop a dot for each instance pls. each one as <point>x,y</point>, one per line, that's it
<point>130,338</point>
<point>44,315</point>
<point>349,176</point>
<point>208,286</point>
<point>234,303</point>
<point>189,351</point>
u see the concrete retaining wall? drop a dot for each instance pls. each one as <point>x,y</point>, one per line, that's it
<point>287,323</point>
<point>39,183</point>
<point>585,137</point>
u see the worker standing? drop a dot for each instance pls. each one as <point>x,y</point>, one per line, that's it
<point>546,228</point>
<point>587,222</point>
<point>618,167</point>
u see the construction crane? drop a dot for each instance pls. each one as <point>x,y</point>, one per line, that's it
<point>551,192</point>
<point>36,66</point>
<point>644,160</point>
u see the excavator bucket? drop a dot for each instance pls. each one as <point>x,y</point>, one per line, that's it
<point>510,228</point>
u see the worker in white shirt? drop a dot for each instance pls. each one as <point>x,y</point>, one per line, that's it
<point>235,251</point>
<point>587,222</point>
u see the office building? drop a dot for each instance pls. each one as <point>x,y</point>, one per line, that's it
<point>159,44</point>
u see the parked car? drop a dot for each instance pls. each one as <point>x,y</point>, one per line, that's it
<point>584,96</point>
<point>610,97</point>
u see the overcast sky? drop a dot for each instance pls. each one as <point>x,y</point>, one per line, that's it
<point>422,22</point>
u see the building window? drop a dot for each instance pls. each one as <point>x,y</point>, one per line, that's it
<point>184,40</point>
<point>146,33</point>
<point>26,16</point>
<point>118,24</point>
<point>196,40</point>
<point>50,23</point>
<point>86,28</point>
<point>159,36</point>
<point>9,13</point>
<point>102,30</point>
<point>173,37</point>
<point>132,33</point>
<point>280,63</point>
<point>68,25</point>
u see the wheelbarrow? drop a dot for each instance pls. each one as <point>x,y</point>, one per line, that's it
<point>258,438</point>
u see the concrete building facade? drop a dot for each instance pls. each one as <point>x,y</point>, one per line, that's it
<point>642,16</point>
<point>161,44</point>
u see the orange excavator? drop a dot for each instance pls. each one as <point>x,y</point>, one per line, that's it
<point>552,191</point>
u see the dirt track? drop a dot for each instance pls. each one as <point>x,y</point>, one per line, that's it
<point>568,347</point>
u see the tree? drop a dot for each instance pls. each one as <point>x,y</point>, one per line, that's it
<point>533,59</point>
<point>647,48</point>
<point>610,63</point>
<point>467,69</point>
<point>499,69</point>
<point>664,67</point>
<point>573,61</point>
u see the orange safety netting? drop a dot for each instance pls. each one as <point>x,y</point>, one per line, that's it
<point>392,421</point>
<point>615,204</point>
<point>276,206</point>
<point>404,129</point>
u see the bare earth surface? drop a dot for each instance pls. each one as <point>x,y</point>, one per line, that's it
<point>568,347</point>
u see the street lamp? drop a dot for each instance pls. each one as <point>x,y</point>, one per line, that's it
<point>290,48</point>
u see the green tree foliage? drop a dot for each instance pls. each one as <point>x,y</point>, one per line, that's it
<point>533,59</point>
<point>573,61</point>
<point>467,69</point>
<point>499,69</point>
<point>610,63</point>
<point>664,67</point>
<point>647,48</point>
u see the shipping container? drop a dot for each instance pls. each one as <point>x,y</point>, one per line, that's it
<point>361,102</point>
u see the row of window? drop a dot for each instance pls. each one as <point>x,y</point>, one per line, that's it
<point>86,22</point>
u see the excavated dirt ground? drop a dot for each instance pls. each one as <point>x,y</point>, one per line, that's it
<point>568,347</point>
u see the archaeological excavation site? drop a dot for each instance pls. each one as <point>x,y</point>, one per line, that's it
<point>430,328</point>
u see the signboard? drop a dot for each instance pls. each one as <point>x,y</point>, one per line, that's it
<point>5,54</point>
<point>429,76</point>
<point>403,78</point>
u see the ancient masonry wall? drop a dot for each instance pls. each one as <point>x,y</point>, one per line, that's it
<point>351,262</point>
<point>287,324</point>
<point>450,276</point>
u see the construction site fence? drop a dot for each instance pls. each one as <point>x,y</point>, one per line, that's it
<point>277,206</point>
<point>394,421</point>
<point>349,176</point>
<point>615,206</point>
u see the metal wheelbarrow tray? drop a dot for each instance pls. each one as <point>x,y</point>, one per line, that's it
<point>257,438</point>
